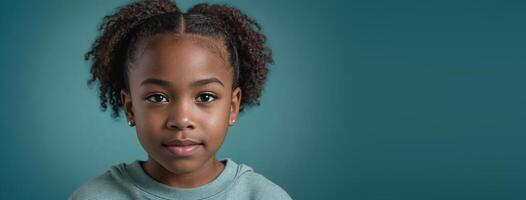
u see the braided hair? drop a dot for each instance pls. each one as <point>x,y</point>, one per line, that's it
<point>120,32</point>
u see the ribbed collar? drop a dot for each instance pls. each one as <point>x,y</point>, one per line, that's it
<point>150,185</point>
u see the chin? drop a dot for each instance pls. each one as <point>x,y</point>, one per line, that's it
<point>183,165</point>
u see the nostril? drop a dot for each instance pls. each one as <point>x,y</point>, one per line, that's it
<point>184,124</point>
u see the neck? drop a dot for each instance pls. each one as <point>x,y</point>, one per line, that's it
<point>201,176</point>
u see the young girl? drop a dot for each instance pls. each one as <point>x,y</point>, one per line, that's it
<point>181,79</point>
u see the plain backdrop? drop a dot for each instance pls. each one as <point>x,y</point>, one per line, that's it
<point>366,100</point>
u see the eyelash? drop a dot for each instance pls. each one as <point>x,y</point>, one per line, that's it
<point>166,99</point>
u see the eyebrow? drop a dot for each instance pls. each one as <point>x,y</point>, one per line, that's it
<point>197,83</point>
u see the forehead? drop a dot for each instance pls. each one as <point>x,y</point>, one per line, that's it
<point>181,58</point>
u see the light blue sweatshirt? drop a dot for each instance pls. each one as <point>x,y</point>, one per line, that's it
<point>129,181</point>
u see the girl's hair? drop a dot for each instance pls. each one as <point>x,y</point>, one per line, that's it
<point>114,48</point>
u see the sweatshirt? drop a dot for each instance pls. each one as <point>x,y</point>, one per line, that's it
<point>129,181</point>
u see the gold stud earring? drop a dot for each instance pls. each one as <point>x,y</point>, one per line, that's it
<point>131,123</point>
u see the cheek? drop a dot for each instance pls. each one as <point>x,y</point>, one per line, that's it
<point>216,125</point>
<point>149,124</point>
<point>215,120</point>
<point>215,116</point>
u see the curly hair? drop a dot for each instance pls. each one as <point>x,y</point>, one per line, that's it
<point>120,32</point>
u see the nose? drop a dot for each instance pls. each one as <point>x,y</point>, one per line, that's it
<point>180,116</point>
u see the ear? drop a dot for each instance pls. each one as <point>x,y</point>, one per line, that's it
<point>234,106</point>
<point>127,104</point>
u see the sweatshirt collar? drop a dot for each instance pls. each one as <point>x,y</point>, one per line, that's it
<point>149,185</point>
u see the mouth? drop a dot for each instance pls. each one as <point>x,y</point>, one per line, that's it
<point>183,148</point>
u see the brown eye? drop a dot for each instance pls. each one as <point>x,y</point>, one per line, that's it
<point>205,98</point>
<point>157,98</point>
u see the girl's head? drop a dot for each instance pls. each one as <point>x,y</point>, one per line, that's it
<point>179,76</point>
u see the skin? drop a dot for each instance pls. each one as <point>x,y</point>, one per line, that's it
<point>178,107</point>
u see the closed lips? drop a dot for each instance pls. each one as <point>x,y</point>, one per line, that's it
<point>181,143</point>
<point>183,147</point>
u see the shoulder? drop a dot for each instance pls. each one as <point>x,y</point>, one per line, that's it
<point>259,186</point>
<point>112,184</point>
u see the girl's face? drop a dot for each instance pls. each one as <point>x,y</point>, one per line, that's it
<point>181,100</point>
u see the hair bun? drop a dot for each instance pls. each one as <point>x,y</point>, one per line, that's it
<point>114,28</point>
<point>252,51</point>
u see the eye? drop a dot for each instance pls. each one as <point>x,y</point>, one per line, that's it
<point>157,98</point>
<point>205,98</point>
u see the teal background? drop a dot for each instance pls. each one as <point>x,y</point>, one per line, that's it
<point>367,100</point>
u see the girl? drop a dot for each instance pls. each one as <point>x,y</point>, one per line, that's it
<point>181,79</point>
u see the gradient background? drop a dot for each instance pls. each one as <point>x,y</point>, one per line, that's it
<point>367,100</point>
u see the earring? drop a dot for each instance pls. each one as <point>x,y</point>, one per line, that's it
<point>232,122</point>
<point>131,123</point>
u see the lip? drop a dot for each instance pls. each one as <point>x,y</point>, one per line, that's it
<point>179,142</point>
<point>183,148</point>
